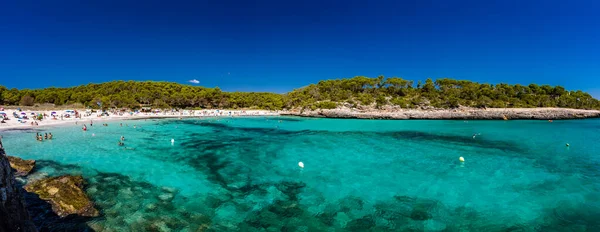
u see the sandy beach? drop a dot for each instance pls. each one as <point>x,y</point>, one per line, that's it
<point>61,119</point>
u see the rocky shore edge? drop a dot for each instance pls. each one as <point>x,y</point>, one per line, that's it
<point>65,194</point>
<point>450,114</point>
<point>13,212</point>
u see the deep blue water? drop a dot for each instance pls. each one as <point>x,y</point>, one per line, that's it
<point>242,174</point>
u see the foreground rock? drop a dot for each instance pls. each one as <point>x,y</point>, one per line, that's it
<point>13,214</point>
<point>21,166</point>
<point>65,194</point>
<point>461,113</point>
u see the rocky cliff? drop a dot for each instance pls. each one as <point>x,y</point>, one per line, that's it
<point>13,214</point>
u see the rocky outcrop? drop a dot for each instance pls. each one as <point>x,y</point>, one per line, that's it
<point>461,113</point>
<point>13,213</point>
<point>65,194</point>
<point>21,166</point>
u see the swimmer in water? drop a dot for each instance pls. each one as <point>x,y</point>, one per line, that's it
<point>122,138</point>
<point>121,124</point>
<point>49,135</point>
<point>121,143</point>
<point>474,135</point>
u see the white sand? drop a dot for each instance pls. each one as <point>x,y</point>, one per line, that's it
<point>14,123</point>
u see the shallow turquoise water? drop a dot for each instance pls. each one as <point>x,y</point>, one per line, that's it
<point>242,174</point>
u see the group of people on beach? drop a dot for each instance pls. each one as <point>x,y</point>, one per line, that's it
<point>39,137</point>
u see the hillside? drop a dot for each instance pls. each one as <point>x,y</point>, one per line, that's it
<point>358,92</point>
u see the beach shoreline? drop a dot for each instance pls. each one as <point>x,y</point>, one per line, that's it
<point>340,113</point>
<point>14,124</point>
<point>451,114</point>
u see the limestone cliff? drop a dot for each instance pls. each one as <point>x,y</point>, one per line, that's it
<point>13,213</point>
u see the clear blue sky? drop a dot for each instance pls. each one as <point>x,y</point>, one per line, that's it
<point>280,45</point>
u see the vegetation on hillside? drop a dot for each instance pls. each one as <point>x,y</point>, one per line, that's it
<point>363,91</point>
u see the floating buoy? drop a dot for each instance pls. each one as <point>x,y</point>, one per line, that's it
<point>461,159</point>
<point>300,164</point>
<point>567,145</point>
<point>93,134</point>
<point>172,140</point>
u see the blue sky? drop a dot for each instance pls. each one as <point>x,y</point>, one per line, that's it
<point>281,45</point>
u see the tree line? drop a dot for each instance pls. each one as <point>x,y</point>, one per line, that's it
<point>358,91</point>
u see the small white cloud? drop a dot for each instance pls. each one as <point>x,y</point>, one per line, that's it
<point>194,81</point>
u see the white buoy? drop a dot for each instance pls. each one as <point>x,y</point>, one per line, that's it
<point>461,159</point>
<point>172,140</point>
<point>300,164</point>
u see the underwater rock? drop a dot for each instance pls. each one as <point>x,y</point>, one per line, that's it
<point>21,166</point>
<point>169,189</point>
<point>65,194</point>
<point>361,224</point>
<point>351,203</point>
<point>166,197</point>
<point>433,225</point>
<point>341,219</point>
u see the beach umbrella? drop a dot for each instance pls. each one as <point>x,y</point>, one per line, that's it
<point>32,113</point>
<point>53,112</point>
<point>23,113</point>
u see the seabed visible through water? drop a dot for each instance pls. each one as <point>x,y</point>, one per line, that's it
<point>242,174</point>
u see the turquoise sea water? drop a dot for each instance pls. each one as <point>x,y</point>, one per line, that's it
<point>242,174</point>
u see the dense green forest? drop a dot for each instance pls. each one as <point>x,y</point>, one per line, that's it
<point>357,91</point>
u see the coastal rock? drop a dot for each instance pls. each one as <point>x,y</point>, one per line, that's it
<point>65,194</point>
<point>13,213</point>
<point>21,166</point>
<point>463,113</point>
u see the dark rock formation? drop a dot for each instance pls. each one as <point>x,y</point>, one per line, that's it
<point>461,113</point>
<point>21,166</point>
<point>13,213</point>
<point>65,194</point>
